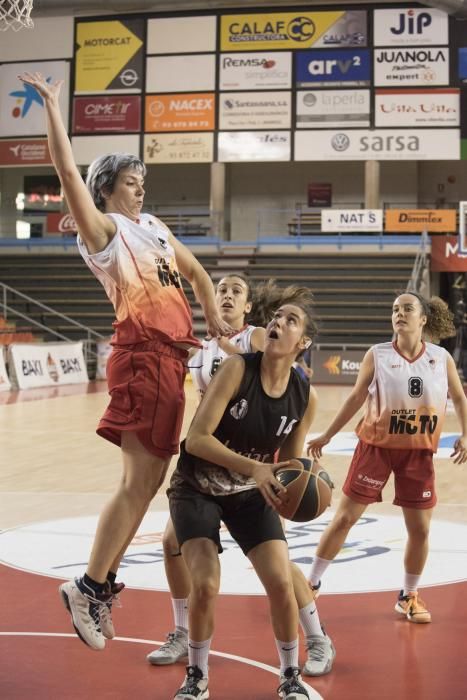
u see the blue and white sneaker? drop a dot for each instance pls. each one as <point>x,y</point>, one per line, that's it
<point>291,685</point>
<point>84,608</point>
<point>195,686</point>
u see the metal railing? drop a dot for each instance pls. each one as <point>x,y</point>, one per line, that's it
<point>420,277</point>
<point>6,309</point>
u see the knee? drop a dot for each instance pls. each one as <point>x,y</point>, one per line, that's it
<point>280,589</point>
<point>142,488</point>
<point>419,533</point>
<point>170,544</point>
<point>343,521</point>
<point>204,591</point>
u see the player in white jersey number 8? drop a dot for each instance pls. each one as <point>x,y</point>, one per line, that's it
<point>405,384</point>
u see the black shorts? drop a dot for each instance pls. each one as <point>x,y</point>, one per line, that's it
<point>246,515</point>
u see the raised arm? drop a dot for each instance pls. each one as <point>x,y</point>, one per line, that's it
<point>94,227</point>
<point>203,288</point>
<point>351,405</point>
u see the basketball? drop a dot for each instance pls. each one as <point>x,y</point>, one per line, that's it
<point>309,490</point>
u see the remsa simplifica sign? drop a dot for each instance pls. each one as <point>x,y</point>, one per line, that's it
<point>386,144</point>
<point>255,71</point>
<point>410,26</point>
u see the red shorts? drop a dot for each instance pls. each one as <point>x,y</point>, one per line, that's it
<point>147,396</point>
<point>414,476</point>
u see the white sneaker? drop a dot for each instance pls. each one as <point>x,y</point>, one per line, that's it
<point>105,611</point>
<point>291,685</point>
<point>320,655</point>
<point>175,649</point>
<point>84,611</point>
<point>195,686</point>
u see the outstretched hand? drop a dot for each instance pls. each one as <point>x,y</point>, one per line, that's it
<point>459,454</point>
<point>47,90</point>
<point>315,446</point>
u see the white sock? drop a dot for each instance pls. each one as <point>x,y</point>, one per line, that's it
<point>198,653</point>
<point>317,570</point>
<point>411,583</point>
<point>309,620</point>
<point>288,653</point>
<point>180,610</point>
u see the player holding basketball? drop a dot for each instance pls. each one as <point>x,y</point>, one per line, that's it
<point>255,404</point>
<point>405,384</point>
<point>139,263</point>
<point>236,301</point>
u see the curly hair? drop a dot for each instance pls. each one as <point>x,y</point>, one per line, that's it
<point>439,317</point>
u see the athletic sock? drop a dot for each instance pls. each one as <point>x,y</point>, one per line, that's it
<point>180,611</point>
<point>411,583</point>
<point>288,654</point>
<point>89,583</point>
<point>111,578</point>
<point>309,620</point>
<point>317,570</point>
<point>198,653</point>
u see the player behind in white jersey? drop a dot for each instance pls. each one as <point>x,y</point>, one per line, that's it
<point>237,301</point>
<point>405,384</point>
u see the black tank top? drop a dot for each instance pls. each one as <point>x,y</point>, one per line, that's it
<point>254,425</point>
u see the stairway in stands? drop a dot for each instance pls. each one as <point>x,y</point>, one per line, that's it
<point>353,291</point>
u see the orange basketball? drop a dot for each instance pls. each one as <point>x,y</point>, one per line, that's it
<point>309,490</point>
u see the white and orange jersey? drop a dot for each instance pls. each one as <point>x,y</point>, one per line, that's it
<point>406,401</point>
<point>204,363</point>
<point>138,271</point>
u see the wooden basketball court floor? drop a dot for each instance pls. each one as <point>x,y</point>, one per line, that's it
<point>56,472</point>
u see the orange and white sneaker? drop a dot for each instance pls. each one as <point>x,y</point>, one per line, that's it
<point>412,607</point>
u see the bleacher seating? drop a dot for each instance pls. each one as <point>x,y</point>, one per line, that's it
<point>353,291</point>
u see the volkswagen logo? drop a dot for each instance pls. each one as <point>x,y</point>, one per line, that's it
<point>340,142</point>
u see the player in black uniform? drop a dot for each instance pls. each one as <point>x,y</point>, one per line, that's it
<point>255,405</point>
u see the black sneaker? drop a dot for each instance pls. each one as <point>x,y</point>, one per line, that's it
<point>292,687</point>
<point>195,686</point>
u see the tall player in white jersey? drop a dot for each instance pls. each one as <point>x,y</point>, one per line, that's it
<point>405,384</point>
<point>236,301</point>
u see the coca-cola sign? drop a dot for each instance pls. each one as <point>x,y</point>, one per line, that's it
<point>121,113</point>
<point>60,223</point>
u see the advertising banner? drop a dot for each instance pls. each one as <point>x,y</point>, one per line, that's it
<point>319,194</point>
<point>5,384</point>
<point>411,66</point>
<point>336,367</point>
<point>333,68</point>
<point>181,73</point>
<point>418,220</point>
<point>109,56</point>
<point>21,106</point>
<point>445,256</point>
<point>293,30</point>
<point>87,148</point>
<point>343,220</point>
<point>183,112</point>
<point>253,146</point>
<point>378,144</point>
<point>253,71</point>
<point>94,114</point>
<point>196,147</point>
<point>410,26</point>
<point>46,364</point>
<point>254,110</point>
<point>181,34</point>
<point>20,153</point>
<point>62,224</point>
<point>333,108</point>
<point>437,107</point>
